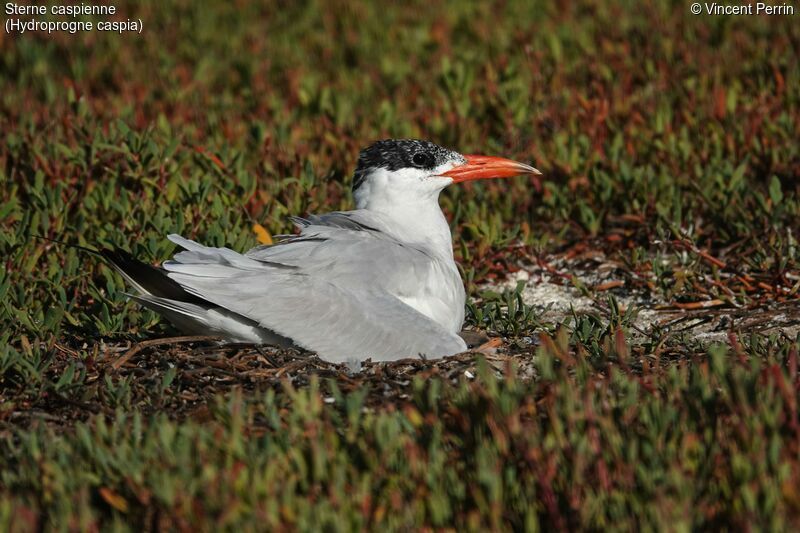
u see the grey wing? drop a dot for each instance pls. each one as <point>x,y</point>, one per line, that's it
<point>356,250</point>
<point>341,321</point>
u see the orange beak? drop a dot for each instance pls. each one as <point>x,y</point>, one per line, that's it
<point>485,166</point>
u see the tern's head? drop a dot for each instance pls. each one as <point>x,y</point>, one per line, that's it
<point>392,172</point>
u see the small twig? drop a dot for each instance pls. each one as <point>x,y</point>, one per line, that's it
<point>699,305</point>
<point>159,342</point>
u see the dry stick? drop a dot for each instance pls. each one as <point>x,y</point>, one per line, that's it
<point>159,342</point>
<point>609,285</point>
<point>700,305</point>
<point>291,367</point>
<point>766,323</point>
<point>64,349</point>
<point>702,320</point>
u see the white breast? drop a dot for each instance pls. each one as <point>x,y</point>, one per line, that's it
<point>439,296</point>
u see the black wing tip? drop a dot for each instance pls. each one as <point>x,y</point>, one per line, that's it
<point>152,278</point>
<point>120,257</point>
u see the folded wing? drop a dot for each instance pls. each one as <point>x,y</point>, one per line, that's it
<point>330,289</point>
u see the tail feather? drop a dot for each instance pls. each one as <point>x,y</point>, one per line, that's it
<point>148,279</point>
<point>187,311</point>
<point>187,317</point>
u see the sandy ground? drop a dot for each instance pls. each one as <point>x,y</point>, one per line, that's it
<point>555,297</point>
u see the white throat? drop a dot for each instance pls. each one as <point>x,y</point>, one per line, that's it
<point>409,203</point>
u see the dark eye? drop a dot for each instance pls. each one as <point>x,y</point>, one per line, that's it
<point>421,159</point>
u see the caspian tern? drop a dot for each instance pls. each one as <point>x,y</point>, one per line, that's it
<point>377,282</point>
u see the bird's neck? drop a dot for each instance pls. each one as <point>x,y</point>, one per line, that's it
<point>419,221</point>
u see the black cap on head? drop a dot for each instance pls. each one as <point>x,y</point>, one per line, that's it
<point>394,154</point>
